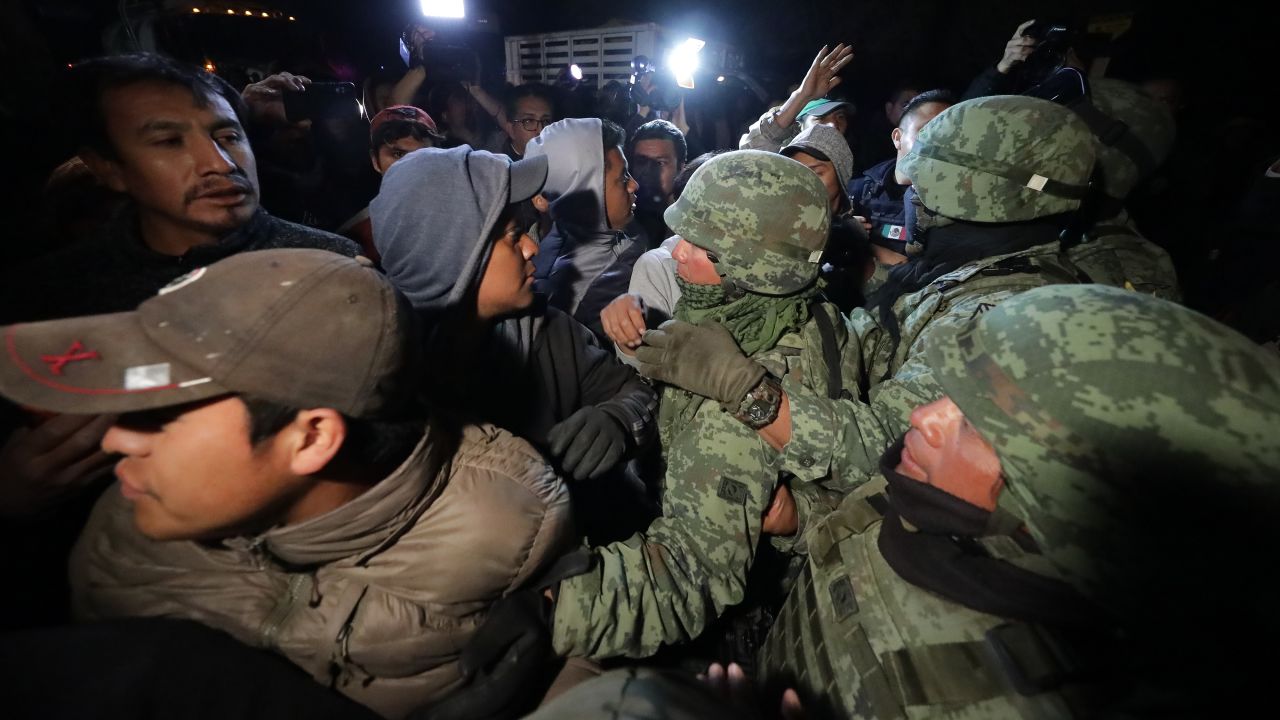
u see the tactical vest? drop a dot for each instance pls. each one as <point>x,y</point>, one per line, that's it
<point>857,641</point>
<point>1117,255</point>
<point>967,291</point>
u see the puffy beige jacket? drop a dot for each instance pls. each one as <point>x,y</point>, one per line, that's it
<point>376,598</point>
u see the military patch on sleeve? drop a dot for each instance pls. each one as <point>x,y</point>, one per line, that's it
<point>732,491</point>
<point>843,600</point>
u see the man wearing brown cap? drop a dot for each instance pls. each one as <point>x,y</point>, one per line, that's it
<point>280,483</point>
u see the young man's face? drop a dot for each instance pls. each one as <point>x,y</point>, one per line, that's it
<point>390,153</point>
<point>507,284</point>
<point>619,189</point>
<point>192,474</point>
<point>183,165</point>
<point>826,172</point>
<point>838,119</point>
<point>532,111</point>
<point>694,265</point>
<point>663,154</point>
<point>945,451</point>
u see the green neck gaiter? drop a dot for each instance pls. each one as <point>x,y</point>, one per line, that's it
<point>756,322</point>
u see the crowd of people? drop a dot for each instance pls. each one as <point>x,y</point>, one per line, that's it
<point>494,407</point>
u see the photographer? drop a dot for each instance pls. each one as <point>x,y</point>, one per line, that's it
<point>311,142</point>
<point>1013,75</point>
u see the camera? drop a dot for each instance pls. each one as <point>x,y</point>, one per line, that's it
<point>322,100</point>
<point>663,94</point>
<point>1053,43</point>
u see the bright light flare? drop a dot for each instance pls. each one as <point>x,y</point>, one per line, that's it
<point>576,72</point>
<point>683,61</point>
<point>443,8</point>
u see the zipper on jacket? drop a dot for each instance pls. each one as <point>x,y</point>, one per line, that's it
<point>294,595</point>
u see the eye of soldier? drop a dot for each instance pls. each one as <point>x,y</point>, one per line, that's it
<point>712,257</point>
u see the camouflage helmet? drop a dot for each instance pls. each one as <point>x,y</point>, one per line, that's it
<point>1133,135</point>
<point>1005,158</point>
<point>1103,404</point>
<point>765,218</point>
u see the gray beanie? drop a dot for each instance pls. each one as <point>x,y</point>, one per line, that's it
<point>825,143</point>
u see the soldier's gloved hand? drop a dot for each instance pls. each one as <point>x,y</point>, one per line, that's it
<point>504,664</point>
<point>588,443</point>
<point>703,359</point>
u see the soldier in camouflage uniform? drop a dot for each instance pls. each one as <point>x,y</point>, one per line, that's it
<point>1137,440</point>
<point>764,220</point>
<point>995,180</point>
<point>1133,134</point>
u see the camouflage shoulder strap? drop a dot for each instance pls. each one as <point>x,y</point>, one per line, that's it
<point>830,349</point>
<point>1012,274</point>
<point>859,510</point>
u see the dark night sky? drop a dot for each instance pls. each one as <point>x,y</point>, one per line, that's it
<point>1225,56</point>
<point>927,41</point>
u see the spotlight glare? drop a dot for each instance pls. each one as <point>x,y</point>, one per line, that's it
<point>683,61</point>
<point>443,8</point>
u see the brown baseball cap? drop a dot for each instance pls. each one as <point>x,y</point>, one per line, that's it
<point>303,328</point>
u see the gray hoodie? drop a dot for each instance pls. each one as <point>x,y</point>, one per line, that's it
<point>432,190</point>
<point>431,223</point>
<point>581,246</point>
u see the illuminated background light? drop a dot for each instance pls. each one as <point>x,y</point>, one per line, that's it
<point>683,61</point>
<point>443,8</point>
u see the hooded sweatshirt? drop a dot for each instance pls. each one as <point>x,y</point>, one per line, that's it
<point>581,246</point>
<point>431,224</point>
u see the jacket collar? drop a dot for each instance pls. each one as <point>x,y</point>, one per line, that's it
<point>364,526</point>
<point>125,237</point>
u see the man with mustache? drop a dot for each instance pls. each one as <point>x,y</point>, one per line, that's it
<point>172,139</point>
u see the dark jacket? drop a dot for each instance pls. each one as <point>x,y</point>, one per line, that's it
<point>115,271</point>
<point>877,196</point>
<point>564,369</point>
<point>991,82</point>
<point>537,370</point>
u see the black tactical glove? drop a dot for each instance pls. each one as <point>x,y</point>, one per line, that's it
<point>703,359</point>
<point>588,443</point>
<point>506,664</point>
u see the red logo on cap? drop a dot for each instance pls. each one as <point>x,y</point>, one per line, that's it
<point>75,354</point>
